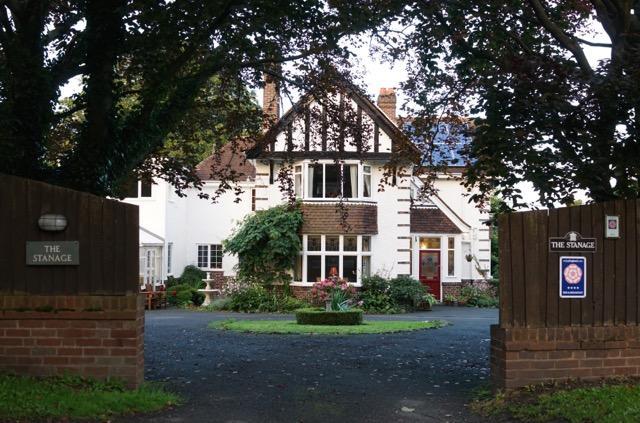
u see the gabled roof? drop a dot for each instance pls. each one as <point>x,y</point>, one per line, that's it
<point>230,161</point>
<point>399,139</point>
<point>431,220</point>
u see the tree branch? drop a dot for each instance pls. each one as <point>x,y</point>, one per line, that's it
<point>566,41</point>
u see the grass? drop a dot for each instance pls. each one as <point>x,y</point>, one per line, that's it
<point>291,327</point>
<point>73,398</point>
<point>613,402</point>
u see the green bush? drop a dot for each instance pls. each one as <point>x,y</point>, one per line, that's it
<point>476,297</point>
<point>375,283</point>
<point>256,298</point>
<point>316,316</point>
<point>183,295</point>
<point>193,276</point>
<point>378,302</point>
<point>406,292</point>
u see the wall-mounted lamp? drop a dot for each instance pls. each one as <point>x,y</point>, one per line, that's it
<point>52,222</point>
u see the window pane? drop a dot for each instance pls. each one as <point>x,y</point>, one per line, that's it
<point>366,243</point>
<point>429,243</point>
<point>350,243</point>
<point>297,269</point>
<point>452,243</point>
<point>349,264</point>
<point>332,181</point>
<point>332,243</point>
<point>366,189</point>
<point>451,262</point>
<point>315,180</point>
<point>169,256</point>
<point>298,169</point>
<point>203,255</point>
<point>298,185</point>
<point>350,181</point>
<point>145,188</point>
<point>216,256</point>
<point>313,243</point>
<point>366,169</point>
<point>314,268</point>
<point>131,189</point>
<point>366,266</point>
<point>331,266</point>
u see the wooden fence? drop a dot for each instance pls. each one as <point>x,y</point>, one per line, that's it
<point>107,232</point>
<point>529,273</point>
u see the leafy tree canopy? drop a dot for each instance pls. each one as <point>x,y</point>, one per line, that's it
<point>267,243</point>
<point>143,66</point>
<point>543,112</point>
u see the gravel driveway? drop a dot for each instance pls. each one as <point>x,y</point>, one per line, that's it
<point>236,377</point>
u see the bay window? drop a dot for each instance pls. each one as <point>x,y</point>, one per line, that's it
<point>345,256</point>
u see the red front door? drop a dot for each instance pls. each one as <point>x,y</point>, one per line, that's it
<point>430,271</point>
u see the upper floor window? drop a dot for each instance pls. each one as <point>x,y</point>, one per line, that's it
<point>139,189</point>
<point>330,180</point>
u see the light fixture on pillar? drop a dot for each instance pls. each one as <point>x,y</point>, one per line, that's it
<point>52,222</point>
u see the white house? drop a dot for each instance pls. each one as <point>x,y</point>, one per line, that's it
<point>388,231</point>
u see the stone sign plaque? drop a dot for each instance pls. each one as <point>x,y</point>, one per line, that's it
<point>53,253</point>
<point>573,242</point>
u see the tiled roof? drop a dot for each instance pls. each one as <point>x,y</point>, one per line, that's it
<point>449,142</point>
<point>326,219</point>
<point>431,220</point>
<point>227,163</point>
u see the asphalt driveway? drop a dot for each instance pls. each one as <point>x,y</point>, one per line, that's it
<point>238,377</point>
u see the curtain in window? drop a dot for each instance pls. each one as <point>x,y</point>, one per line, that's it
<point>367,185</point>
<point>310,181</point>
<point>353,170</point>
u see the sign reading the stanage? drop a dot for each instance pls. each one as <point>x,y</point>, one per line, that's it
<point>53,253</point>
<point>572,241</point>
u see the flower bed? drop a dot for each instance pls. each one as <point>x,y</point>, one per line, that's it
<point>315,316</point>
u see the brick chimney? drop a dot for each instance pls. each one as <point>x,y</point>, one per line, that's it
<point>271,100</point>
<point>387,102</point>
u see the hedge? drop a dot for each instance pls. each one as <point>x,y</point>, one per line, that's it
<point>314,316</point>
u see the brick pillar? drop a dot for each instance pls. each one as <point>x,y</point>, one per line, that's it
<point>387,102</point>
<point>91,336</point>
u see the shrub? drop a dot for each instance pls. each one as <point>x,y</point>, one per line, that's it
<point>219,304</point>
<point>375,296</point>
<point>183,295</point>
<point>193,276</point>
<point>251,298</point>
<point>406,292</point>
<point>315,316</point>
<point>476,297</point>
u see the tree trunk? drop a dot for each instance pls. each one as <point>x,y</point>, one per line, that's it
<point>27,113</point>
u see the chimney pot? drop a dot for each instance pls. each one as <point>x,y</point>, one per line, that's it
<point>271,100</point>
<point>387,102</point>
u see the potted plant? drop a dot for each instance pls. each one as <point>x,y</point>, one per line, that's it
<point>428,300</point>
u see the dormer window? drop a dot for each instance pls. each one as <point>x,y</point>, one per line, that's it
<point>330,180</point>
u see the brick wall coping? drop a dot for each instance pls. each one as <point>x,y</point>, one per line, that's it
<point>68,315</point>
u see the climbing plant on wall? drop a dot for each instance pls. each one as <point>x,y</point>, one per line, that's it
<point>267,243</point>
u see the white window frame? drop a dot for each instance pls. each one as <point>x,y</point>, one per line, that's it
<point>341,253</point>
<point>208,249</point>
<point>360,166</point>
